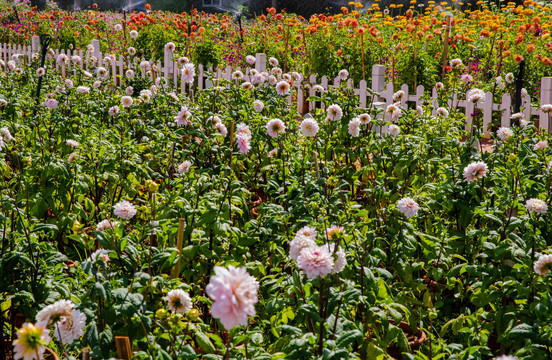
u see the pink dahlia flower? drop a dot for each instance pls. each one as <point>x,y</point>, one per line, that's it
<point>297,245</point>
<point>234,293</point>
<point>475,170</point>
<point>542,265</point>
<point>243,144</point>
<point>408,207</point>
<point>315,261</point>
<point>536,205</point>
<point>124,210</point>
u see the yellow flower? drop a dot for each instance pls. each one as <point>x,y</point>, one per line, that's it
<point>31,341</point>
<point>152,186</point>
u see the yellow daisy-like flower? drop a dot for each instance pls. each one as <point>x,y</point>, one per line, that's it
<point>31,341</point>
<point>335,232</point>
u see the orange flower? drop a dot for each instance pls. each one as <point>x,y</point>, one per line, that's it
<point>546,61</point>
<point>518,58</point>
<point>360,31</point>
<point>485,33</point>
<point>521,29</point>
<point>148,6</point>
<point>530,48</point>
<point>506,53</point>
<point>395,36</point>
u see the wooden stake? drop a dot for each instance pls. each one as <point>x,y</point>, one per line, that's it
<point>445,44</point>
<point>124,351</point>
<point>179,240</point>
<point>415,63</point>
<point>86,354</point>
<point>362,54</point>
<point>315,161</point>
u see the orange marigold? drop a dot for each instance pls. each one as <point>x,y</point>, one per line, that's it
<point>518,58</point>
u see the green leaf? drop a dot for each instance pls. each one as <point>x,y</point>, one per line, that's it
<point>493,218</point>
<point>207,218</point>
<point>98,291</point>
<point>525,331</point>
<point>187,353</point>
<point>257,338</point>
<point>91,337</point>
<point>374,352</point>
<point>204,342</point>
<point>311,311</point>
<point>45,227</point>
<point>347,338</point>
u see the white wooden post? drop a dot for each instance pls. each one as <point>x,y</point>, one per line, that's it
<point>312,81</point>
<point>434,102</point>
<point>378,78</point>
<point>200,76</point>
<point>362,93</point>
<point>167,62</point>
<point>487,108</point>
<point>506,106</point>
<point>526,106</point>
<point>97,53</point>
<point>545,98</point>
<point>324,83</point>
<point>406,96</point>
<point>469,114</point>
<point>419,94</point>
<point>35,44</point>
<point>260,62</point>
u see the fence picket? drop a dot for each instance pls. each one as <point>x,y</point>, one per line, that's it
<point>487,108</point>
<point>170,70</point>
<point>546,98</point>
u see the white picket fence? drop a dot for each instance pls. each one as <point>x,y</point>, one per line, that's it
<point>170,69</point>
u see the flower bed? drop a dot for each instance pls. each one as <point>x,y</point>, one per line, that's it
<point>221,223</point>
